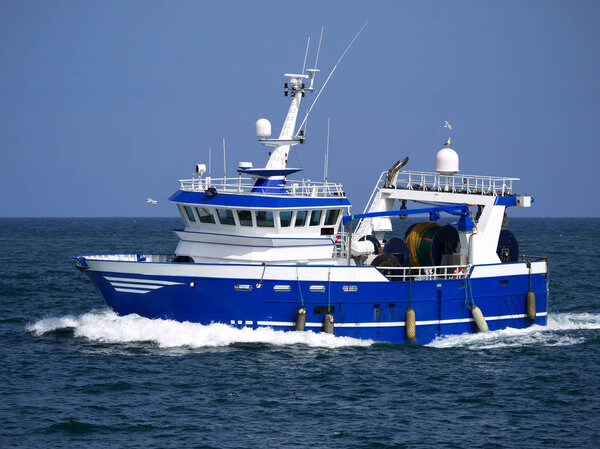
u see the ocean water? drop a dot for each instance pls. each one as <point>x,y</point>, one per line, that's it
<point>74,374</point>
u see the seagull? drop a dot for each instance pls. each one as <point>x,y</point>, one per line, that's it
<point>448,125</point>
<point>447,144</point>
<point>151,201</point>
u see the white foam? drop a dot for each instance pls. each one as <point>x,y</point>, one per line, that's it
<point>563,329</point>
<point>108,327</point>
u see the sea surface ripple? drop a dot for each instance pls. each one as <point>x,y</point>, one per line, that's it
<point>75,374</point>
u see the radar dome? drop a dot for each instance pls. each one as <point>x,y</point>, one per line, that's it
<point>263,128</point>
<point>446,161</point>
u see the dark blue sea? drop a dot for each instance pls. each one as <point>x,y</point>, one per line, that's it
<point>74,374</point>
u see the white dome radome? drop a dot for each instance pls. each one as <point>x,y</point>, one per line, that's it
<point>446,161</point>
<point>263,128</point>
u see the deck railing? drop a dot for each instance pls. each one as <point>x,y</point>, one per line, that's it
<point>472,184</point>
<point>425,273</point>
<point>304,187</point>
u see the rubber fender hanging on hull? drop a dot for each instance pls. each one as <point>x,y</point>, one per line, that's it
<point>530,306</point>
<point>479,319</point>
<point>410,324</point>
<point>328,324</point>
<point>300,321</point>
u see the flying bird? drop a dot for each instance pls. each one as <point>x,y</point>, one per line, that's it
<point>448,125</point>
<point>151,201</point>
<point>447,144</point>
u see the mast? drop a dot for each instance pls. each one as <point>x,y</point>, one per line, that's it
<point>296,89</point>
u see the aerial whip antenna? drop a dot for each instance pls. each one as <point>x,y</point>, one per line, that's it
<point>224,163</point>
<point>209,160</point>
<point>329,77</point>
<point>305,55</point>
<point>327,151</point>
<point>319,47</point>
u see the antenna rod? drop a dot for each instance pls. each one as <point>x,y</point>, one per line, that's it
<point>305,55</point>
<point>224,163</point>
<point>209,160</point>
<point>329,77</point>
<point>319,48</point>
<point>327,151</point>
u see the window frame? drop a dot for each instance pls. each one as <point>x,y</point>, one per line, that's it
<point>211,212</point>
<point>327,213</point>
<point>289,225</point>
<point>252,218</point>
<point>313,212</point>
<point>189,210</point>
<point>226,210</point>
<point>258,225</point>
<point>296,218</point>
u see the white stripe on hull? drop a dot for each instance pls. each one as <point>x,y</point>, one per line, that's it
<point>126,284</point>
<point>131,290</point>
<point>397,323</point>
<point>142,281</point>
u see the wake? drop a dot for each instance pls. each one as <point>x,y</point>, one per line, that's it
<point>108,327</point>
<point>563,329</point>
<point>105,326</point>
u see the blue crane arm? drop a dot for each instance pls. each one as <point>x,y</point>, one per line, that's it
<point>461,210</point>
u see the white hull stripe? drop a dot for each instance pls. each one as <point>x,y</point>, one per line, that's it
<point>398,323</point>
<point>274,323</point>
<point>131,290</point>
<point>124,284</point>
<point>141,281</point>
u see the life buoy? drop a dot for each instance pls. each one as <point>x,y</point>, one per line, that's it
<point>459,273</point>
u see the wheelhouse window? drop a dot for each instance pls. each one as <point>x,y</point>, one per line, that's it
<point>300,218</point>
<point>264,219</point>
<point>331,217</point>
<point>315,217</point>
<point>245,217</point>
<point>205,215</point>
<point>226,216</point>
<point>190,213</point>
<point>285,218</point>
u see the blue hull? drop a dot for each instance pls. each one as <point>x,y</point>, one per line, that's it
<point>375,311</point>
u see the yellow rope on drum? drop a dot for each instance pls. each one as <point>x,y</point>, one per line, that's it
<point>414,240</point>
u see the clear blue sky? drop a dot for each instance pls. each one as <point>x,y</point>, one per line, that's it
<point>104,103</point>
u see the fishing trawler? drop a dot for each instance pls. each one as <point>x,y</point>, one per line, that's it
<point>264,250</point>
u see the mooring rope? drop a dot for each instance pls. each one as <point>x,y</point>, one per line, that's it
<point>299,289</point>
<point>259,285</point>
<point>329,290</point>
<point>469,302</point>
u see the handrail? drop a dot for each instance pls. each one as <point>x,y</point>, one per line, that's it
<point>458,183</point>
<point>425,273</point>
<point>241,185</point>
